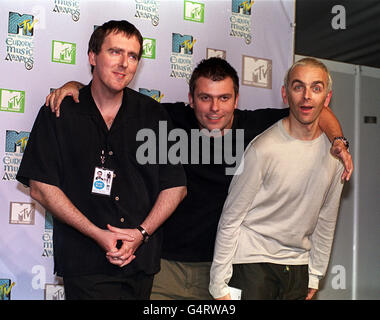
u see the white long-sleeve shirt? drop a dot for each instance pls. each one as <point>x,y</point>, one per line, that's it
<point>282,208</point>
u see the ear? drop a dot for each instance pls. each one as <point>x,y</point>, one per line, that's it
<point>284,95</point>
<point>328,99</point>
<point>191,101</point>
<point>91,58</point>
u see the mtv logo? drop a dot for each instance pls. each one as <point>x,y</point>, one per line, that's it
<point>155,94</point>
<point>242,6</point>
<point>257,72</point>
<point>21,24</point>
<point>12,100</point>
<point>16,141</point>
<point>217,53</point>
<point>182,44</point>
<point>149,48</point>
<point>6,286</point>
<point>22,213</point>
<point>63,52</point>
<point>54,292</point>
<point>194,11</point>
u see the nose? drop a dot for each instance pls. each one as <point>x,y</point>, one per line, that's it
<point>124,60</point>
<point>214,107</point>
<point>307,93</point>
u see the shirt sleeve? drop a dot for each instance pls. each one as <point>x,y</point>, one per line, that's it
<point>323,235</point>
<point>172,173</point>
<point>41,161</point>
<point>239,201</point>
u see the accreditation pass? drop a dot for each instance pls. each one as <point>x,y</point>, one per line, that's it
<point>102,181</point>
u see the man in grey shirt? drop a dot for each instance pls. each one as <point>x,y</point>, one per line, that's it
<point>276,231</point>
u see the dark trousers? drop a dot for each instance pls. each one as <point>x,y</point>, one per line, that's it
<point>268,281</point>
<point>108,287</point>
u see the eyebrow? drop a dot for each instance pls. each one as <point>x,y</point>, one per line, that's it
<point>211,95</point>
<point>122,50</point>
<point>313,83</point>
<point>115,48</point>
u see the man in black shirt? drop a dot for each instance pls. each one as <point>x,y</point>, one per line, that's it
<point>101,228</point>
<point>189,234</point>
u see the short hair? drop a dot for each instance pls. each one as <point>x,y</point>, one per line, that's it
<point>309,62</point>
<point>216,69</point>
<point>101,32</point>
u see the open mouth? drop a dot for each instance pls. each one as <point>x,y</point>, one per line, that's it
<point>306,108</point>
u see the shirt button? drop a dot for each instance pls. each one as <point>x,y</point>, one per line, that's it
<point>114,175</point>
<point>122,220</point>
<point>117,198</point>
<point>110,153</point>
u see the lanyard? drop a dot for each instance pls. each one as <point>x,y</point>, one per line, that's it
<point>102,158</point>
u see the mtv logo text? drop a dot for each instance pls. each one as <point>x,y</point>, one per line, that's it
<point>181,58</point>
<point>149,48</point>
<point>6,286</point>
<point>217,53</point>
<point>19,42</point>
<point>54,292</point>
<point>16,141</point>
<point>21,24</point>
<point>242,6</point>
<point>22,213</point>
<point>182,44</point>
<point>194,11</point>
<point>15,144</point>
<point>241,20</point>
<point>12,100</point>
<point>63,52</point>
<point>257,72</point>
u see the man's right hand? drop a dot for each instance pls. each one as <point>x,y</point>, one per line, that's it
<point>107,240</point>
<point>125,254</point>
<point>55,98</point>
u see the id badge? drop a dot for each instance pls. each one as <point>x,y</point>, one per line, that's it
<point>102,182</point>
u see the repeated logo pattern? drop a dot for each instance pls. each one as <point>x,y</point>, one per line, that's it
<point>45,45</point>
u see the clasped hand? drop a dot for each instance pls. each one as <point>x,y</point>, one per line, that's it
<point>130,240</point>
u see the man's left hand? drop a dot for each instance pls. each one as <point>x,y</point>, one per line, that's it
<point>125,254</point>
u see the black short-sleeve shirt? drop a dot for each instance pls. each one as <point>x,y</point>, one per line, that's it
<point>64,152</point>
<point>189,234</point>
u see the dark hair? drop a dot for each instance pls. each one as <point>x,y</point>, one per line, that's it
<point>216,69</point>
<point>100,33</point>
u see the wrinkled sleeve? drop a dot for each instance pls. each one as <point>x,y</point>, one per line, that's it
<point>41,160</point>
<point>323,235</point>
<point>239,201</point>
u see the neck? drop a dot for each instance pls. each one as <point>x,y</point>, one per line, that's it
<point>106,100</point>
<point>300,130</point>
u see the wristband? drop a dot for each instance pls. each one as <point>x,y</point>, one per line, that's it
<point>344,140</point>
<point>144,233</point>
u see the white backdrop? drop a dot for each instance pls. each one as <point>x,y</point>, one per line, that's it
<point>43,44</point>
